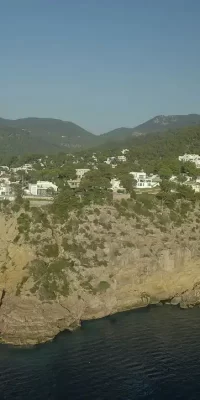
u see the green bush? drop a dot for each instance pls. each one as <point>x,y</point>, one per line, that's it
<point>24,222</point>
<point>147,200</point>
<point>39,216</point>
<point>103,286</point>
<point>51,250</point>
<point>26,204</point>
<point>50,279</point>
<point>97,211</point>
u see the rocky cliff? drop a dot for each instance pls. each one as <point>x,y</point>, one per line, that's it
<point>102,261</point>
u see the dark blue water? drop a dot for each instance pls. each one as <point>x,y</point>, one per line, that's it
<point>152,354</point>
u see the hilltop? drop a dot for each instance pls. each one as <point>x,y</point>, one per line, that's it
<point>160,123</point>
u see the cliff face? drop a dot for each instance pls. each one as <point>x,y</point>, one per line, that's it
<point>52,276</point>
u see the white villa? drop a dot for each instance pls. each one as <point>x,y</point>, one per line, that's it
<point>41,188</point>
<point>195,158</point>
<point>144,181</point>
<point>110,160</point>
<point>121,158</point>
<point>81,172</point>
<point>25,167</point>
<point>5,189</point>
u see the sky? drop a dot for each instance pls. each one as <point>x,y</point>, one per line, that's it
<point>102,64</point>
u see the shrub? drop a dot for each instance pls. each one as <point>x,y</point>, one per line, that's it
<point>39,216</point>
<point>50,279</point>
<point>103,286</point>
<point>51,250</point>
<point>26,205</point>
<point>147,200</point>
<point>97,211</point>
<point>20,285</point>
<point>124,203</point>
<point>24,222</point>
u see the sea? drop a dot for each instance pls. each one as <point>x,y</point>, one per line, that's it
<point>151,353</point>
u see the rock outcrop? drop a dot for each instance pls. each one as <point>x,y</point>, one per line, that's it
<point>53,276</point>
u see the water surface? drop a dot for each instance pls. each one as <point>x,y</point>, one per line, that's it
<point>152,353</point>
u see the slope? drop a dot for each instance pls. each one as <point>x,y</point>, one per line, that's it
<point>15,141</point>
<point>160,123</point>
<point>65,135</point>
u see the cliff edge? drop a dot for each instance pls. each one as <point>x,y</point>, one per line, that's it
<point>101,261</point>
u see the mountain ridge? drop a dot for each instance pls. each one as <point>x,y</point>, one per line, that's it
<point>55,135</point>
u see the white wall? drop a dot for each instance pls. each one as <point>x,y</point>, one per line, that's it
<point>33,189</point>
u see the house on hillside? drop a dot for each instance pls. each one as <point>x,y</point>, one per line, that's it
<point>110,160</point>
<point>124,151</point>
<point>74,183</point>
<point>194,158</point>
<point>42,188</point>
<point>144,181</point>
<point>25,167</point>
<point>5,189</point>
<point>80,172</point>
<point>121,158</point>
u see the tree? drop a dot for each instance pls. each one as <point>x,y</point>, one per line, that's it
<point>165,172</point>
<point>186,192</point>
<point>64,202</point>
<point>127,182</point>
<point>190,169</point>
<point>18,193</point>
<point>95,187</point>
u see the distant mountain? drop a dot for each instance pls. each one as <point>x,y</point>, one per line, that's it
<point>48,135</point>
<point>160,123</point>
<point>64,135</point>
<point>119,133</point>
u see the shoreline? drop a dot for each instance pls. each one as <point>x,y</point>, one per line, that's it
<point>79,326</point>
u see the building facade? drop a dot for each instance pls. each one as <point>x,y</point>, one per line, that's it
<point>42,188</point>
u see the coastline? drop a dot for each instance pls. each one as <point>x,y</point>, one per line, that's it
<point>24,341</point>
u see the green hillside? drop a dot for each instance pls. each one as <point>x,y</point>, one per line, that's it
<point>160,123</point>
<point>15,141</point>
<point>64,135</point>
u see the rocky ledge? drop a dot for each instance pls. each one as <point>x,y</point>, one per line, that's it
<point>29,321</point>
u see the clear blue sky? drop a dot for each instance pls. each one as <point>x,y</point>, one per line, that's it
<point>99,63</point>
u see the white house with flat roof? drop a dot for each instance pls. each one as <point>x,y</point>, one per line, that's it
<point>80,172</point>
<point>5,189</point>
<point>194,158</point>
<point>42,188</point>
<point>144,181</point>
<point>121,158</point>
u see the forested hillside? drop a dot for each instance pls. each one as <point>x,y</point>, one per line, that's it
<point>63,135</point>
<point>48,135</point>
